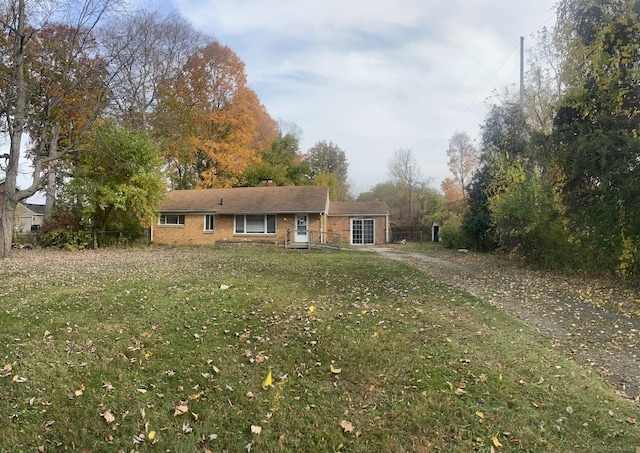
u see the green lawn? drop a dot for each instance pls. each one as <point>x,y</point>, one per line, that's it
<point>148,350</point>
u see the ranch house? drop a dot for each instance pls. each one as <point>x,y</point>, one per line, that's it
<point>292,216</point>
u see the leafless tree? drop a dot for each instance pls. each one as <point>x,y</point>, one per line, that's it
<point>158,46</point>
<point>404,169</point>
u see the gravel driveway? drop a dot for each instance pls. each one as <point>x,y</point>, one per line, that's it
<point>595,320</point>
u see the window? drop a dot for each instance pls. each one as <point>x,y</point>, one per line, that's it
<point>171,219</point>
<point>362,232</point>
<point>256,224</point>
<point>208,222</point>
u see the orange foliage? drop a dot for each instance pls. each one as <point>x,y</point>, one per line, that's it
<point>212,121</point>
<point>452,189</point>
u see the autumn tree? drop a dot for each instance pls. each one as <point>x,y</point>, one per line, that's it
<point>212,125</point>
<point>463,161</point>
<point>38,98</point>
<point>327,161</point>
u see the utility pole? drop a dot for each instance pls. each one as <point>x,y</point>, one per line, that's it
<point>522,73</point>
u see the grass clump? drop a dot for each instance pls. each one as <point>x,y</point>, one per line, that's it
<point>169,349</point>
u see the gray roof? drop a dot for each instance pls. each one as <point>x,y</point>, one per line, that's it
<point>249,200</point>
<point>35,208</point>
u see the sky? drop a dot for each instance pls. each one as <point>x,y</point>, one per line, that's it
<point>374,76</point>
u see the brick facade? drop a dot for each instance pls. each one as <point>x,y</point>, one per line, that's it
<point>192,232</point>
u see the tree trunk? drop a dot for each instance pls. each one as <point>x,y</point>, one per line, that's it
<point>50,192</point>
<point>8,221</point>
<point>15,116</point>
<point>51,174</point>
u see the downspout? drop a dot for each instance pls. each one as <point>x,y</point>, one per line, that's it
<point>386,217</point>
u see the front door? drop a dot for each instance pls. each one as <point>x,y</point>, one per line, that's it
<point>302,228</point>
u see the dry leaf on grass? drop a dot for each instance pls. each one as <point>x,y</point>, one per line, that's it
<point>255,429</point>
<point>181,409</point>
<point>347,426</point>
<point>108,416</point>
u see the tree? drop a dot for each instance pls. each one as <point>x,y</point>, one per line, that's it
<point>212,125</point>
<point>282,162</point>
<point>117,182</point>
<point>428,204</point>
<point>597,127</point>
<point>505,142</point>
<point>543,82</point>
<point>326,159</point>
<point>404,170</point>
<point>69,82</point>
<point>158,47</point>
<point>463,161</point>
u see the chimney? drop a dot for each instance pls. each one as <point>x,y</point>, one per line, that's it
<point>267,182</point>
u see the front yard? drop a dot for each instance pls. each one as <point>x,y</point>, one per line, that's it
<point>263,349</point>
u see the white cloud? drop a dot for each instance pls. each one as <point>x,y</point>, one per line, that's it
<point>373,76</point>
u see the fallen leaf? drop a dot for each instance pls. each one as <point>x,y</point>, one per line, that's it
<point>186,428</point>
<point>480,414</point>
<point>335,370</point>
<point>569,410</point>
<point>255,429</point>
<point>347,426</point>
<point>459,392</point>
<point>631,421</point>
<point>181,409</point>
<point>268,381</point>
<point>312,309</point>
<point>151,435</point>
<point>108,416</point>
<point>496,442</point>
<point>223,287</point>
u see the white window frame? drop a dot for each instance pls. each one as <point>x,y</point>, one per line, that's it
<point>209,223</point>
<point>361,238</point>
<point>179,219</point>
<point>240,224</point>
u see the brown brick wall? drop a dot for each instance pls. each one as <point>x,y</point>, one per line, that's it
<point>342,225</point>
<point>192,232</point>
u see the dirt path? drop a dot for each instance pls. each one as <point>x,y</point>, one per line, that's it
<point>594,320</point>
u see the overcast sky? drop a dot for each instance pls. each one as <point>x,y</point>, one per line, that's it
<point>373,76</point>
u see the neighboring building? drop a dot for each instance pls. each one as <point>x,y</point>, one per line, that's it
<point>29,217</point>
<point>277,215</point>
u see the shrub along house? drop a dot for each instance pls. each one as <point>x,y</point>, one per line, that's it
<point>283,215</point>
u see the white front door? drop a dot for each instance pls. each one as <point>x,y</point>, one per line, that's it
<point>302,227</point>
